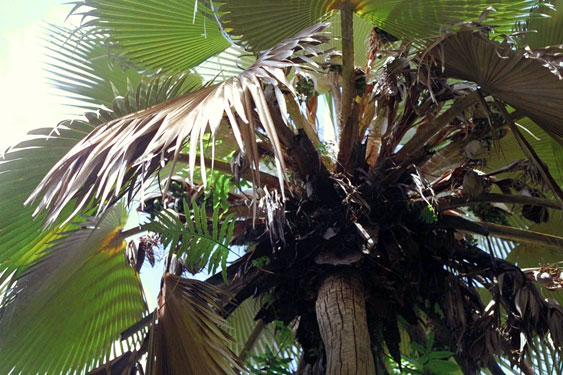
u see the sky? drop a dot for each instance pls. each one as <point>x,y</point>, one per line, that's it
<point>25,100</point>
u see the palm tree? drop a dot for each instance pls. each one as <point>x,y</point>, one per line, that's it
<point>393,247</point>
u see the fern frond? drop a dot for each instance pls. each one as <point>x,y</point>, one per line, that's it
<point>201,241</point>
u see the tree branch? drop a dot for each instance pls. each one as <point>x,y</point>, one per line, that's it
<point>523,235</point>
<point>251,341</point>
<point>132,231</point>
<point>453,202</point>
<point>501,231</point>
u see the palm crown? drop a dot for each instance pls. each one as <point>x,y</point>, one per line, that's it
<point>383,164</point>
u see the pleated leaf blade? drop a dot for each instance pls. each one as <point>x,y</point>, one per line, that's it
<point>171,36</point>
<point>71,306</point>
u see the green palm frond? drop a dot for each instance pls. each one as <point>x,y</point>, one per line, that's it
<point>252,21</point>
<point>520,80</point>
<point>544,31</point>
<point>204,244</point>
<point>227,64</point>
<point>190,336</point>
<point>45,327</point>
<point>412,19</point>
<point>112,155</point>
<point>85,69</point>
<point>149,91</point>
<point>255,22</point>
<point>158,35</point>
<point>21,170</point>
<point>23,167</point>
<point>242,325</point>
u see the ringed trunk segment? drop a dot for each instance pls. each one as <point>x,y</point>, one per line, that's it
<point>341,314</point>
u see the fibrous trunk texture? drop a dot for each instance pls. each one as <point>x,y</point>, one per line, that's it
<point>341,314</point>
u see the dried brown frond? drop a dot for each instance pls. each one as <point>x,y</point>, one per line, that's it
<point>190,336</point>
<point>119,156</point>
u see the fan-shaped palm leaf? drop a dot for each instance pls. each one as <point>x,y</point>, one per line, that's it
<point>136,144</point>
<point>22,168</point>
<point>45,327</point>
<point>90,72</point>
<point>25,242</point>
<point>190,336</point>
<point>412,19</point>
<point>518,79</point>
<point>252,20</point>
<point>251,334</point>
<point>169,36</point>
<point>85,68</point>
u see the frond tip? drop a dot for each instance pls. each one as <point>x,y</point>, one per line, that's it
<point>132,147</point>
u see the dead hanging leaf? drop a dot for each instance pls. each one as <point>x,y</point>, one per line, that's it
<point>117,157</point>
<point>555,324</point>
<point>190,336</point>
<point>140,249</point>
<point>454,307</point>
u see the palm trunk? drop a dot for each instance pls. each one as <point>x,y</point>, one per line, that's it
<point>341,314</point>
